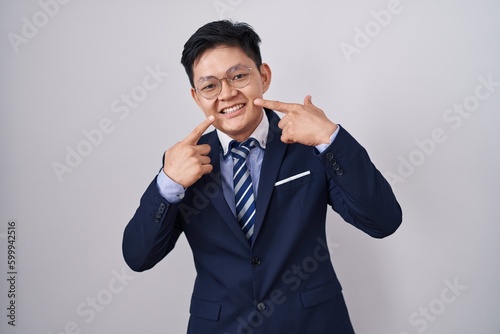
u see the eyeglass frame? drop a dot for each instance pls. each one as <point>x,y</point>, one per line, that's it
<point>229,81</point>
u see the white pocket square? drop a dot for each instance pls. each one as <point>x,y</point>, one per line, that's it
<point>291,178</point>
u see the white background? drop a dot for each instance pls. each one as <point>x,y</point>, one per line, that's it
<point>64,76</point>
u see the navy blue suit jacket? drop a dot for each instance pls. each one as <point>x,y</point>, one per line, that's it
<point>284,281</point>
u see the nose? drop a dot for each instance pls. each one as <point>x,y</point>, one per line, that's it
<point>226,90</point>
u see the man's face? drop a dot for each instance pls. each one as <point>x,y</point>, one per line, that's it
<point>234,111</point>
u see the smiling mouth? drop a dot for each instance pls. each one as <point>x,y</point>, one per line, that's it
<point>232,109</point>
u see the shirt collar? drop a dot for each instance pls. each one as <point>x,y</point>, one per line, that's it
<point>260,134</point>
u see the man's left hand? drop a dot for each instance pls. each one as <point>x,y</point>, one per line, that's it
<point>303,123</point>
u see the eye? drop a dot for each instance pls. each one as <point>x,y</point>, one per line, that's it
<point>239,76</point>
<point>208,87</point>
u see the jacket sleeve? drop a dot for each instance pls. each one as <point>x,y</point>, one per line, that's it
<point>152,232</point>
<point>357,190</point>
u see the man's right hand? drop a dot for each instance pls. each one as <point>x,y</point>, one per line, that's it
<point>186,162</point>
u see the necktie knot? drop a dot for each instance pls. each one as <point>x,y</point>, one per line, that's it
<point>241,150</point>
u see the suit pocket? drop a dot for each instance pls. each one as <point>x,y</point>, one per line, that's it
<point>293,181</point>
<point>205,309</point>
<point>320,294</point>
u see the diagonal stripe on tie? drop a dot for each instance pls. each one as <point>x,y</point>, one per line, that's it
<point>243,188</point>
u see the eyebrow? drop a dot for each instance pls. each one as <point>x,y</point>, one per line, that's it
<point>212,76</point>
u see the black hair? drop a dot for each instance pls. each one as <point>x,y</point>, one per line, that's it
<point>217,33</point>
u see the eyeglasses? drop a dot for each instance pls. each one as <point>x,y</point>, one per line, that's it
<point>237,76</point>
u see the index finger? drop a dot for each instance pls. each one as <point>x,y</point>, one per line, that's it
<point>198,131</point>
<point>275,105</point>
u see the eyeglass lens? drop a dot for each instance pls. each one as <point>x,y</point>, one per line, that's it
<point>238,77</point>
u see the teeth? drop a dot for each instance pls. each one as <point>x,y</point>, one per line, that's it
<point>232,109</point>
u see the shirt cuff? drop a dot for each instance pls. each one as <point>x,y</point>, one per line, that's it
<point>323,147</point>
<point>169,189</point>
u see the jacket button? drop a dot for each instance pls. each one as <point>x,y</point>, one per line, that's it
<point>329,155</point>
<point>261,306</point>
<point>255,261</point>
<point>161,209</point>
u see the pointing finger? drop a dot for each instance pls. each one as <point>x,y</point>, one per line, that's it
<point>198,131</point>
<point>274,105</point>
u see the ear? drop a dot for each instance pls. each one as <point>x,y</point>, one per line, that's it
<point>195,96</point>
<point>265,76</point>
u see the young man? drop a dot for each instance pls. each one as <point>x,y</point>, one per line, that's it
<point>258,240</point>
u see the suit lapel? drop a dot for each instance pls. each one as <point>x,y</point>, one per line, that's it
<point>273,157</point>
<point>215,178</point>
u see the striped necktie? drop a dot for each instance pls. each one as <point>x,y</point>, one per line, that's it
<point>243,188</point>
